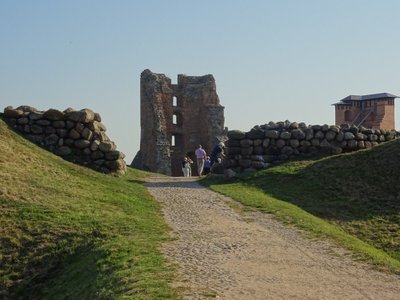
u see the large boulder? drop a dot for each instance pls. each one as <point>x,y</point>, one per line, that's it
<point>36,129</point>
<point>255,134</point>
<point>245,163</point>
<point>272,134</point>
<point>43,122</point>
<point>63,151</point>
<point>114,165</point>
<point>36,115</point>
<point>10,112</point>
<point>285,135</point>
<point>309,132</point>
<point>114,155</point>
<point>298,134</point>
<point>349,136</point>
<point>82,143</point>
<point>23,121</point>
<point>87,134</point>
<point>73,134</point>
<point>59,124</point>
<point>246,143</point>
<point>217,168</point>
<point>330,135</point>
<point>107,146</point>
<point>236,134</point>
<point>54,115</point>
<point>319,135</point>
<point>83,116</point>
<point>27,108</point>
<point>229,174</point>
<point>97,126</point>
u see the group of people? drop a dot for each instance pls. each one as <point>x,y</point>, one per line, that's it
<point>204,162</point>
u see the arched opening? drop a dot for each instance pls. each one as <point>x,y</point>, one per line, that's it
<point>173,140</point>
<point>174,119</point>
<point>347,116</point>
<point>174,101</point>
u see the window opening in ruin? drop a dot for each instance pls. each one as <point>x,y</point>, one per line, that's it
<point>174,101</point>
<point>173,140</point>
<point>174,120</point>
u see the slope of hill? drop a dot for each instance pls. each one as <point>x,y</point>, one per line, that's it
<point>69,232</point>
<point>358,192</point>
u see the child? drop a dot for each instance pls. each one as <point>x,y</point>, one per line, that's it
<point>185,167</point>
<point>190,165</point>
<point>207,165</point>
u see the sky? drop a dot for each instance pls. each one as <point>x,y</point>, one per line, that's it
<point>272,60</point>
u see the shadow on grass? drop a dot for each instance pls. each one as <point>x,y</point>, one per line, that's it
<point>137,181</point>
<point>76,276</point>
<point>346,187</point>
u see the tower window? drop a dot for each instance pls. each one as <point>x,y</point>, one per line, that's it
<point>347,115</point>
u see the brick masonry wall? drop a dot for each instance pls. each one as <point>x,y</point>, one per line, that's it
<point>199,120</point>
<point>383,114</point>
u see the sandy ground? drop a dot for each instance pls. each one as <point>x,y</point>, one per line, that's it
<point>228,253</point>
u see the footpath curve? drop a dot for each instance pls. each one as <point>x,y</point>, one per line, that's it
<point>229,253</point>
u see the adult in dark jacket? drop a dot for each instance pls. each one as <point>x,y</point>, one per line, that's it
<point>217,152</point>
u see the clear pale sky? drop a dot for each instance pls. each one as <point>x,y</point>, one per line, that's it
<point>272,60</point>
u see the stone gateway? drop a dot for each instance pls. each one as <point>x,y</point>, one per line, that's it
<point>175,119</point>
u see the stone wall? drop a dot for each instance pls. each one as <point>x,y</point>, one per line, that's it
<point>274,142</point>
<point>77,136</point>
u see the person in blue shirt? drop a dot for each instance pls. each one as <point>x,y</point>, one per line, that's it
<point>207,165</point>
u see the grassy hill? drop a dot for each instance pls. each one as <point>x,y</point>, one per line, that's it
<point>340,197</point>
<point>69,232</point>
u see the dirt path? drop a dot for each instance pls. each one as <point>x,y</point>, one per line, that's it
<point>231,254</point>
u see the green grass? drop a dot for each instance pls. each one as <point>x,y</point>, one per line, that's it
<point>352,199</point>
<point>69,232</point>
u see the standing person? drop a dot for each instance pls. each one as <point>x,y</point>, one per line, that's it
<point>218,152</point>
<point>200,156</point>
<point>190,165</point>
<point>185,167</point>
<point>207,165</point>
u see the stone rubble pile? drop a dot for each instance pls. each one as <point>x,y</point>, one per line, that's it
<point>273,142</point>
<point>77,136</point>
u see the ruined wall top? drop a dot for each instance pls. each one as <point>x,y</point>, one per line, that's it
<point>184,79</point>
<point>197,88</point>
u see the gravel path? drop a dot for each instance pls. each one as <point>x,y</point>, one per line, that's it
<point>225,252</point>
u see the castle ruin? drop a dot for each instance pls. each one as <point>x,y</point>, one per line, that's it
<point>175,119</point>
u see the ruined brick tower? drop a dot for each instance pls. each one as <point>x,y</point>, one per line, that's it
<point>374,111</point>
<point>175,119</point>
